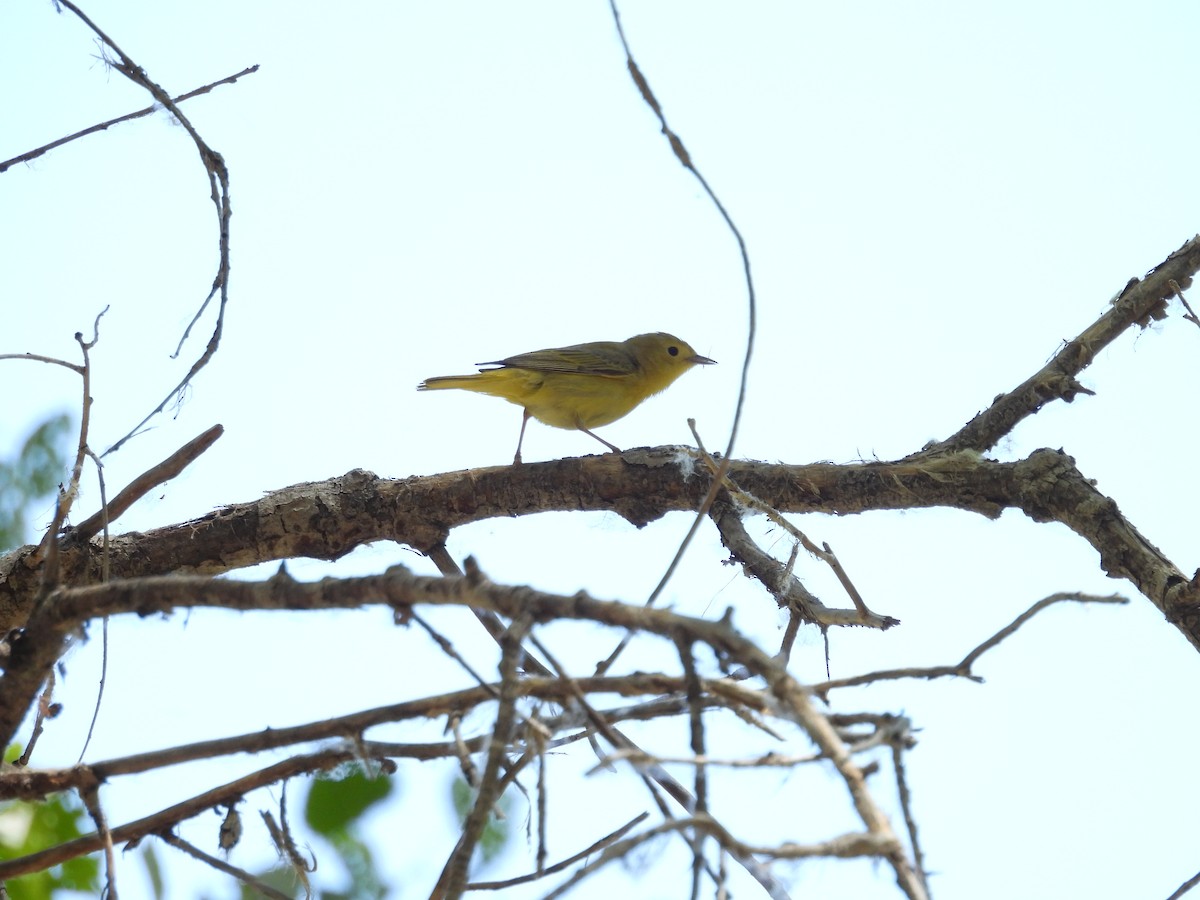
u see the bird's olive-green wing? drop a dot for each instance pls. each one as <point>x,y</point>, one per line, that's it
<point>598,358</point>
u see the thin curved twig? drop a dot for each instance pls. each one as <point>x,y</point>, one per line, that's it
<point>685,160</point>
<point>603,842</point>
<point>221,865</point>
<point>963,669</point>
<point>218,178</point>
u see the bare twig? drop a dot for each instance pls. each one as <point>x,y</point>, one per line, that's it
<point>90,794</point>
<point>1007,631</point>
<point>447,566</point>
<point>823,553</point>
<point>36,357</point>
<point>146,482</point>
<point>453,879</point>
<point>700,781</point>
<point>562,864</point>
<point>885,729</point>
<point>786,588</point>
<point>105,574</point>
<point>285,844</point>
<point>67,495</point>
<point>168,818</point>
<point>37,784</point>
<point>845,846</point>
<point>222,866</point>
<point>543,792</point>
<point>963,669</point>
<point>639,757</point>
<point>31,155</point>
<point>910,821</point>
<point>1190,315</point>
<point>1137,303</point>
<point>45,710</point>
<point>651,772</point>
<point>685,160</point>
<point>1185,887</point>
<point>218,178</point>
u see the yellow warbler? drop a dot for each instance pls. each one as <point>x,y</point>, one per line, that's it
<point>583,386</point>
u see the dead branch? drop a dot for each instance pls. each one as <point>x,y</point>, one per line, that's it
<point>221,866</point>
<point>454,876</point>
<point>963,669</point>
<point>168,818</point>
<point>401,589</point>
<point>31,155</point>
<point>787,590</point>
<point>146,482</point>
<point>218,179</point>
<point>37,784</point>
<point>685,160</point>
<point>561,864</point>
<point>328,519</point>
<point>1138,303</point>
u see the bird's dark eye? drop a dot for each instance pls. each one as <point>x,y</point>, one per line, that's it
<point>674,351</point>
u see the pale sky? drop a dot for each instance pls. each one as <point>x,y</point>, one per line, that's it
<point>934,196</point>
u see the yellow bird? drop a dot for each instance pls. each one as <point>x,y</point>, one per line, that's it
<point>583,386</point>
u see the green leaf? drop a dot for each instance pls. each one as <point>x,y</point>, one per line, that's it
<point>365,881</point>
<point>153,870</point>
<point>496,832</point>
<point>28,827</point>
<point>35,472</point>
<point>333,804</point>
<point>282,878</point>
<point>42,461</point>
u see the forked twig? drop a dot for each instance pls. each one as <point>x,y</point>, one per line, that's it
<point>963,669</point>
<point>31,155</point>
<point>785,584</point>
<point>605,841</point>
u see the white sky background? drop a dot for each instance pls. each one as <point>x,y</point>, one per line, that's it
<point>934,196</point>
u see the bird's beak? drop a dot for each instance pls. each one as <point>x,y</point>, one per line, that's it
<point>699,360</point>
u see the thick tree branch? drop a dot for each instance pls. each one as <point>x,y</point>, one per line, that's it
<point>1138,303</point>
<point>326,520</point>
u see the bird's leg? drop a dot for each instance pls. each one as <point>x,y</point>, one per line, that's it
<point>521,439</point>
<point>613,447</point>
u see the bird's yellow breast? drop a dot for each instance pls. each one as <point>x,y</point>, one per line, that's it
<point>561,399</point>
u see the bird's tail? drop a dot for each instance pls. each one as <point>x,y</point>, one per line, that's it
<point>444,382</point>
<point>498,382</point>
